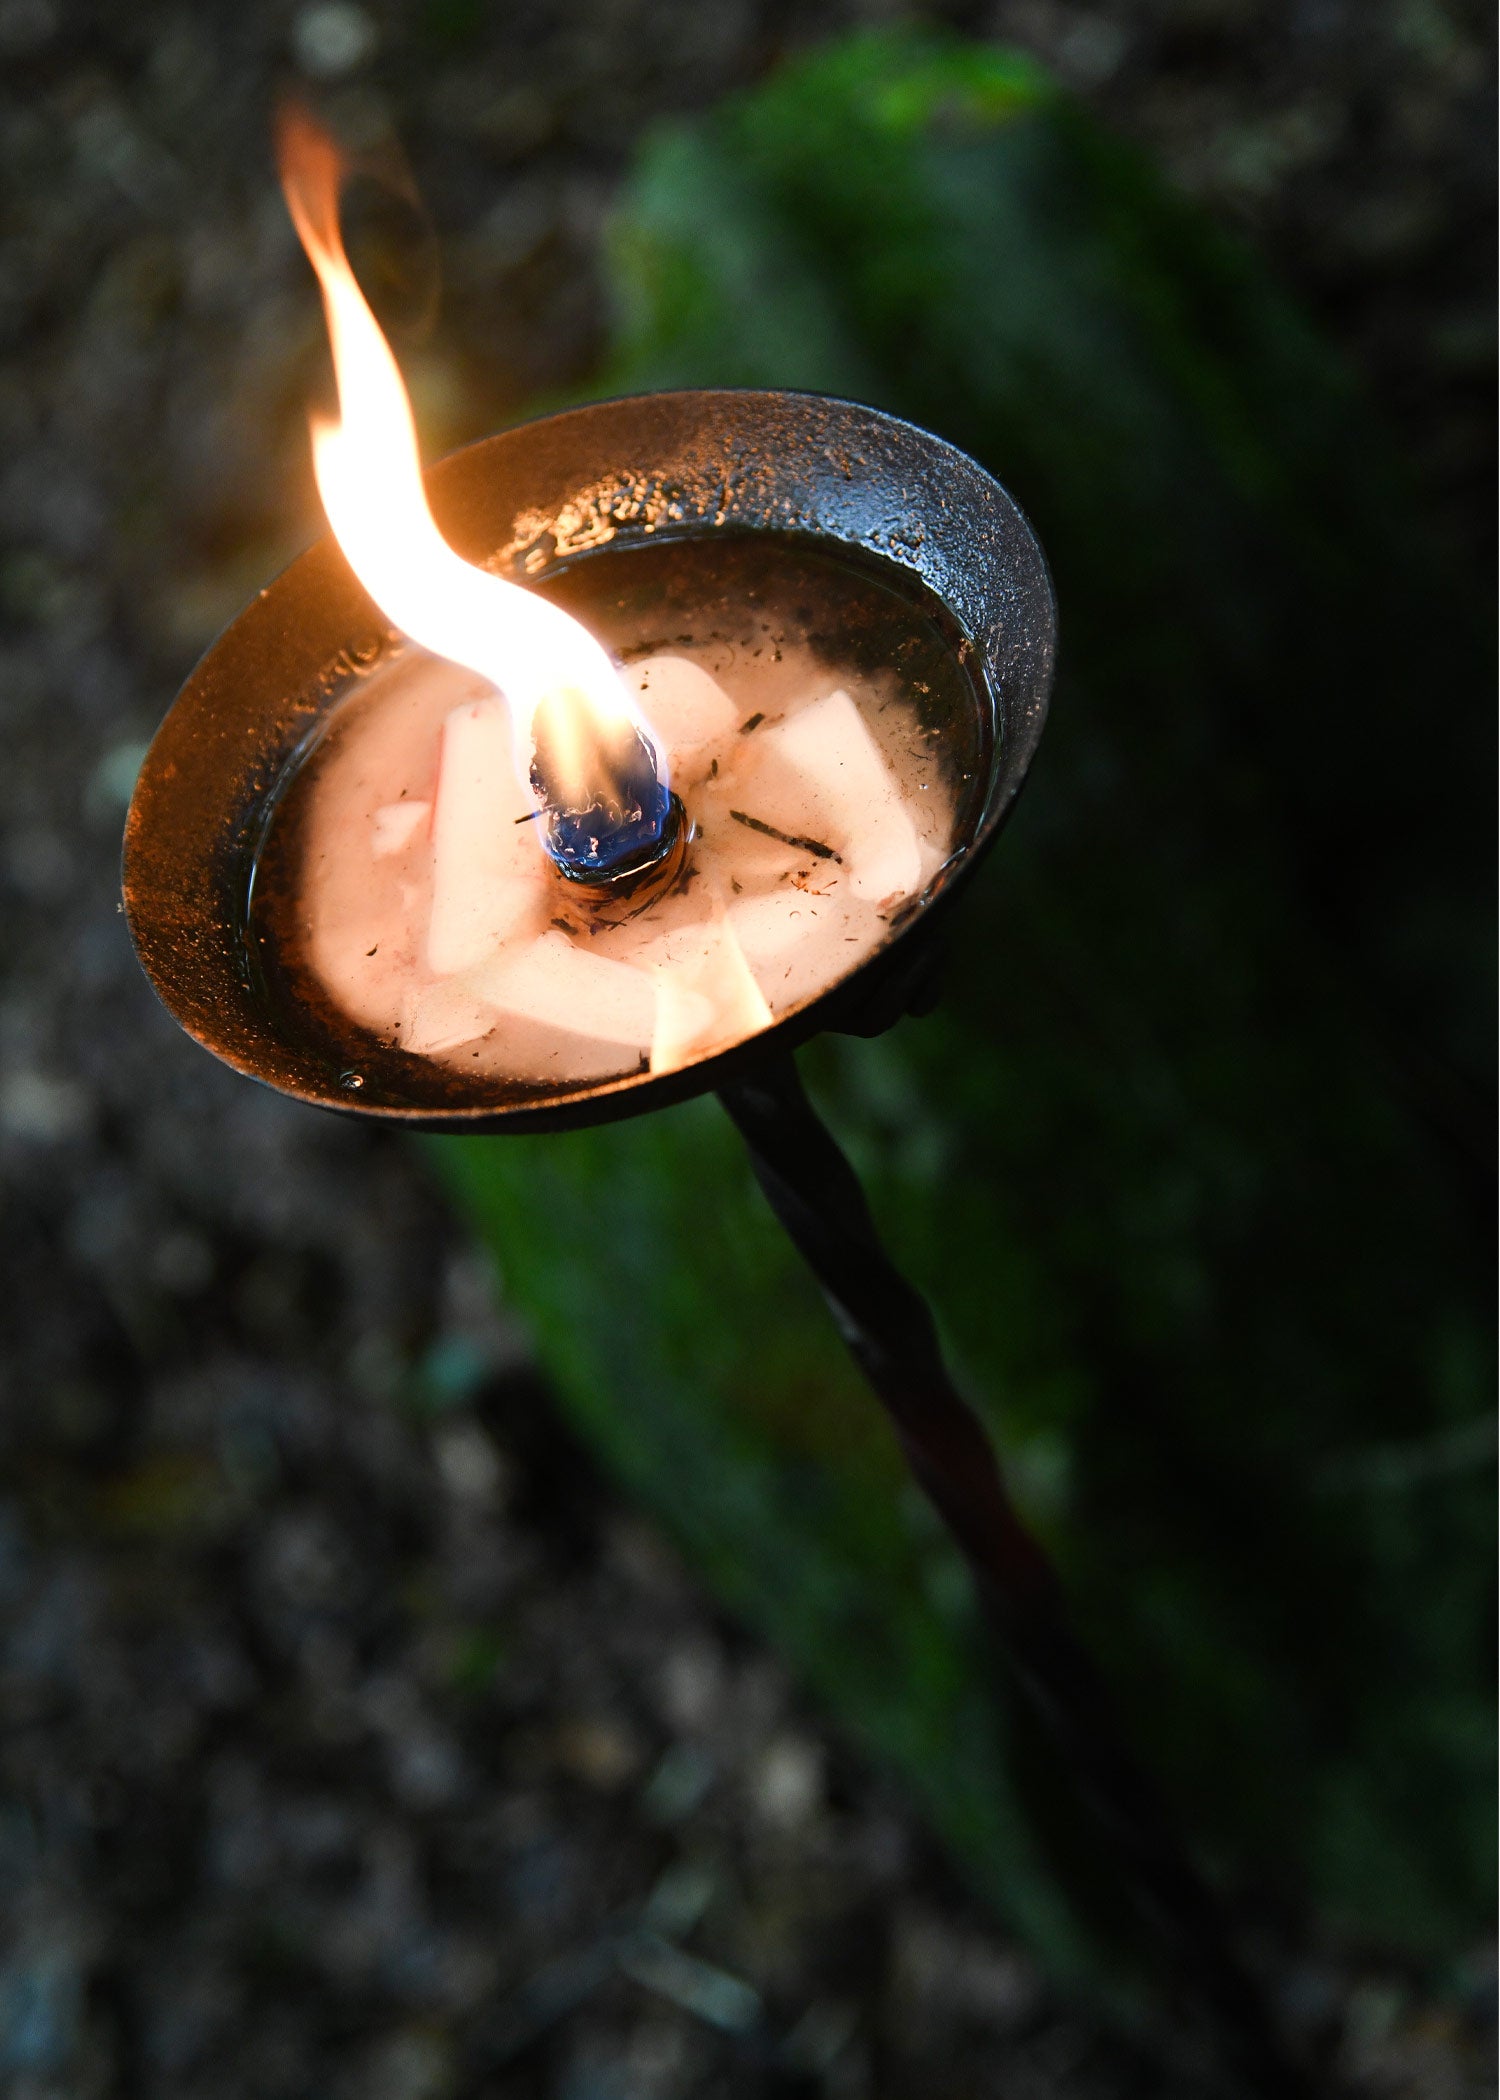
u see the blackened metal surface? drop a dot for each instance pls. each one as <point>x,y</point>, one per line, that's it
<point>616,473</point>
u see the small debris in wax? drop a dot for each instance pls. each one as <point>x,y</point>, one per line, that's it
<point>787,838</point>
<point>806,836</point>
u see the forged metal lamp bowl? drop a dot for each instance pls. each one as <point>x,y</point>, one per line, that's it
<point>566,504</point>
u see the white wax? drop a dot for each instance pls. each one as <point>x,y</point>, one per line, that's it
<point>602,1007</point>
<point>396,826</point>
<point>690,711</point>
<point>821,772</point>
<point>706,993</point>
<point>484,889</point>
<point>434,918</point>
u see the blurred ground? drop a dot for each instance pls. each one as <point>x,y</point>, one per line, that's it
<point>356,1740</point>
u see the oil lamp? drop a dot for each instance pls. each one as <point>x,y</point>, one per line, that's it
<point>621,512</point>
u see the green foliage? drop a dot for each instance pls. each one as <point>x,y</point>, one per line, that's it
<point>1180,1160</point>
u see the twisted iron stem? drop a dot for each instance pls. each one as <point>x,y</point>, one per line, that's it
<point>889,1330</point>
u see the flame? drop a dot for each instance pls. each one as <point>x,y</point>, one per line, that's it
<point>370,478</point>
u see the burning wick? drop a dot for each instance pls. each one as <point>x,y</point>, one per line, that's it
<point>584,746</point>
<point>608,813</point>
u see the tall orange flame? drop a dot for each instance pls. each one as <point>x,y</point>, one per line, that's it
<point>369,475</point>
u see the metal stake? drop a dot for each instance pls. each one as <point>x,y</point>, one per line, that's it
<point>889,1330</point>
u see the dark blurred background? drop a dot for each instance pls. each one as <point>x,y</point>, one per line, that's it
<point>359,1738</point>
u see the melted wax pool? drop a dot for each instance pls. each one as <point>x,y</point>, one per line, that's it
<point>824,739</point>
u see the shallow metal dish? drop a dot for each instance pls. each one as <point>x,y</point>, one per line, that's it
<point>619,473</point>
